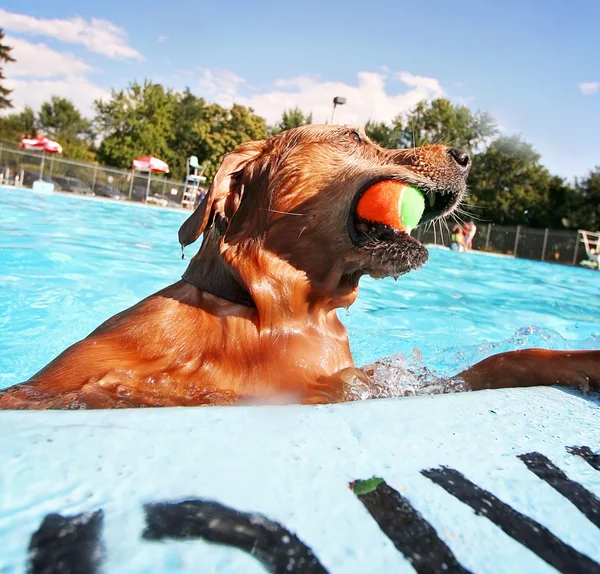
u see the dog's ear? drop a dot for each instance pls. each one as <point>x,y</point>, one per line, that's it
<point>225,193</point>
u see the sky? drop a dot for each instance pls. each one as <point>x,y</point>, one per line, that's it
<point>532,64</point>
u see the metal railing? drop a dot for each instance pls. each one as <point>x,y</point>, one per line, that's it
<point>19,167</point>
<point>22,167</point>
<point>551,245</point>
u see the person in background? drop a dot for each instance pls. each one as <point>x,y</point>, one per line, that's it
<point>470,231</point>
<point>458,238</point>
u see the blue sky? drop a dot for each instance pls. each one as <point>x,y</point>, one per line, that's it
<point>533,65</point>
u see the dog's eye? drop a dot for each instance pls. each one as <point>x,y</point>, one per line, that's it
<point>356,137</point>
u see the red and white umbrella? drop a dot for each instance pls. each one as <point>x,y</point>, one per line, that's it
<point>41,144</point>
<point>150,163</point>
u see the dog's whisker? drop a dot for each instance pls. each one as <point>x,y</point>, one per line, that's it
<point>283,212</point>
<point>369,238</point>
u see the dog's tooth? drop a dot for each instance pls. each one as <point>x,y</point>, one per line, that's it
<point>408,229</point>
<point>431,196</point>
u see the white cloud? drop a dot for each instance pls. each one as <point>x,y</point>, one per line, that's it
<point>220,86</point>
<point>97,35</point>
<point>421,82</point>
<point>40,61</point>
<point>33,93</point>
<point>589,88</point>
<point>369,98</point>
<point>41,72</point>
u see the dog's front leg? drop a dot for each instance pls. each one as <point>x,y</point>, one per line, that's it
<point>536,367</point>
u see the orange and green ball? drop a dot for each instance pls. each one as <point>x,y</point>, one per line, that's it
<point>392,203</point>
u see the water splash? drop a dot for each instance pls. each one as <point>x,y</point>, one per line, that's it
<point>400,375</point>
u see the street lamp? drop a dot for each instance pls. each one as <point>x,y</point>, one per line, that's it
<point>337,101</point>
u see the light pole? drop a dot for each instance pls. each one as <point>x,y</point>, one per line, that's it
<point>337,101</point>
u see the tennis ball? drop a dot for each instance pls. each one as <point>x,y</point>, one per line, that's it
<point>412,207</point>
<point>392,203</point>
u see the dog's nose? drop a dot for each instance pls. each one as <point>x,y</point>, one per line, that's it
<point>461,158</point>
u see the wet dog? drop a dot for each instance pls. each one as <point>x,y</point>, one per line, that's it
<point>254,316</point>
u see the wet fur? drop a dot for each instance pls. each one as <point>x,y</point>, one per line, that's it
<point>254,318</point>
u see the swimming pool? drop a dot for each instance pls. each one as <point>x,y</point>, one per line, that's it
<point>68,263</point>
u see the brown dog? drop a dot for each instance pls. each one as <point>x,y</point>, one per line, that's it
<point>254,317</point>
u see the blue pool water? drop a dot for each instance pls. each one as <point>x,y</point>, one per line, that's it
<point>69,263</point>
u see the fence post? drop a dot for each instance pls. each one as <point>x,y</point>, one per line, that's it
<point>487,237</point>
<point>544,246</point>
<point>517,240</point>
<point>94,178</point>
<point>42,164</point>
<point>131,184</point>
<point>576,249</point>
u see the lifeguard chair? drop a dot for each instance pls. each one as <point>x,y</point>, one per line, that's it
<point>193,192</point>
<point>591,242</point>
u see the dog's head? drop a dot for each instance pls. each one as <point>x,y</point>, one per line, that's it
<point>295,196</point>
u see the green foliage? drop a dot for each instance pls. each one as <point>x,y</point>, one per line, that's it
<point>381,133</point>
<point>4,57</point>
<point>511,187</point>
<point>291,119</point>
<point>433,122</point>
<point>60,120</point>
<point>508,184</point>
<point>440,121</point>
<point>223,130</point>
<point>586,203</point>
<point>149,120</point>
<point>15,127</point>
<point>59,115</point>
<point>209,131</point>
<point>189,113</point>
<point>135,122</point>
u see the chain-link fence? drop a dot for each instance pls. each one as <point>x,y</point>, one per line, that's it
<point>18,167</point>
<point>551,245</point>
<point>23,168</point>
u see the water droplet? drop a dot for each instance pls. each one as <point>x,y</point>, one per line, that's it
<point>123,391</point>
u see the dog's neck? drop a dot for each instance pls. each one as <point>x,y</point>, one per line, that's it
<point>254,278</point>
<point>208,272</point>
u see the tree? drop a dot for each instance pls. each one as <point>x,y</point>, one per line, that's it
<point>381,133</point>
<point>60,120</point>
<point>5,57</point>
<point>291,119</point>
<point>15,127</point>
<point>208,131</point>
<point>511,187</point>
<point>586,204</point>
<point>135,122</point>
<point>148,119</point>
<point>440,121</point>
<point>222,130</point>
<point>59,116</point>
<point>189,112</point>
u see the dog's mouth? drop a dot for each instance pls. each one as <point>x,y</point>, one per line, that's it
<point>383,215</point>
<point>380,216</point>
